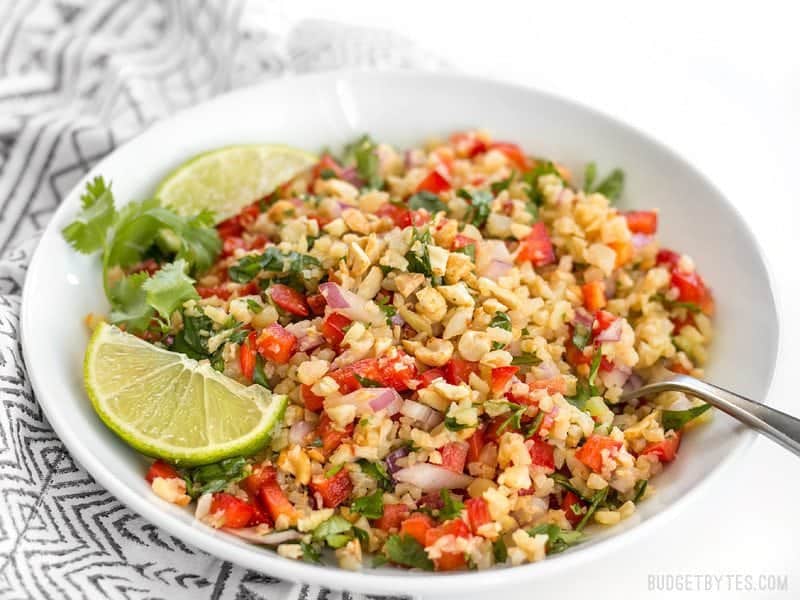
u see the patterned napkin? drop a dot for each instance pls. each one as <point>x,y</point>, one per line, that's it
<point>78,78</point>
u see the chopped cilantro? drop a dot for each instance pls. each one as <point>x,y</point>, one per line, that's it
<point>334,470</point>
<point>336,525</point>
<point>499,550</point>
<point>611,187</point>
<point>388,309</point>
<point>499,186</point>
<point>370,506</point>
<point>169,288</point>
<point>427,200</point>
<point>453,425</point>
<point>377,470</point>
<point>589,175</point>
<point>676,419</point>
<point>87,234</point>
<point>581,335</point>
<point>367,382</point>
<point>420,262</point>
<point>379,560</point>
<point>311,552</point>
<point>639,489</point>
<point>253,306</point>
<point>526,358</point>
<point>501,320</point>
<point>535,424</point>
<point>564,482</point>
<point>364,152</point>
<point>451,507</point>
<point>515,419</point>
<point>593,368</point>
<point>598,498</point>
<point>272,259</point>
<point>215,477</point>
<point>558,539</point>
<point>259,377</point>
<point>405,550</point>
<point>469,250</point>
<point>532,179</point>
<point>480,206</point>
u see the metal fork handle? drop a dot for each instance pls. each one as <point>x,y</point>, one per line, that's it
<point>776,425</point>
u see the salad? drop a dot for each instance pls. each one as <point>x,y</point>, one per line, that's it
<point>407,357</point>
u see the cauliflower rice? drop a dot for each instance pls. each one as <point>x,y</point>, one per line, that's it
<point>454,326</point>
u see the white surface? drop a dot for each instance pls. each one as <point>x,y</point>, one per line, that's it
<point>720,83</point>
<point>389,107</point>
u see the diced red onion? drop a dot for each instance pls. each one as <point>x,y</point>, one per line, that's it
<point>203,506</point>
<point>300,431</point>
<point>350,175</point>
<point>393,457</point>
<point>369,400</point>
<point>424,415</point>
<point>273,538</point>
<point>397,320</point>
<point>497,269</point>
<point>488,251</point>
<point>430,478</point>
<point>297,202</point>
<point>583,317</point>
<point>351,305</point>
<point>640,240</point>
<point>612,333</point>
<point>546,370</point>
<point>616,377</point>
<point>634,383</point>
<point>308,337</point>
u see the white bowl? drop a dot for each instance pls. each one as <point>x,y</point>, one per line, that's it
<point>405,108</point>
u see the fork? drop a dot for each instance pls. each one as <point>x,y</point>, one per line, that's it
<point>776,425</point>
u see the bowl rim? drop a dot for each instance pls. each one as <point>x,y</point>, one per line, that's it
<point>369,580</point>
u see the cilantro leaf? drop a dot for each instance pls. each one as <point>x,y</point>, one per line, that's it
<point>87,233</point>
<point>272,259</point>
<point>598,498</point>
<point>364,152</point>
<point>499,550</point>
<point>532,179</point>
<point>169,288</point>
<point>589,175</point>
<point>501,320</point>
<point>334,470</point>
<point>377,470</point>
<point>389,310</point>
<point>367,382</point>
<point>639,489</point>
<point>611,187</point>
<point>427,200</point>
<point>335,525</point>
<point>526,358</point>
<point>581,335</point>
<point>259,377</point>
<point>593,368</point>
<point>215,477</point>
<point>129,305</point>
<point>676,419</point>
<point>451,507</point>
<point>405,550</point>
<point>370,506</point>
<point>419,261</point>
<point>311,552</point>
<point>515,419</point>
<point>564,482</point>
<point>480,206</point>
<point>558,539</point>
<point>499,186</point>
<point>192,339</point>
<point>453,425</point>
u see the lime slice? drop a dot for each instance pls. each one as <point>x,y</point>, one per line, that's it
<point>170,406</point>
<point>226,180</point>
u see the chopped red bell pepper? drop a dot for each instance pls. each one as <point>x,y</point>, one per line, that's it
<point>333,490</point>
<point>501,376</point>
<point>260,475</point>
<point>467,144</point>
<point>218,291</point>
<point>247,356</point>
<point>289,299</point>
<point>690,286</point>
<point>231,244</point>
<point>236,513</point>
<point>274,498</point>
<point>602,321</point>
<point>569,501</point>
<point>326,164</point>
<point>542,453</point>
<point>331,436</point>
<point>594,295</point>
<point>457,370</point>
<point>276,344</point>
<point>475,444</point>
<point>462,241</point>
<point>665,450</point>
<point>667,257</point>
<point>477,513</point>
<point>333,328</point>
<point>448,561</point>
<point>454,456</point>
<point>642,221</point>
<point>537,248</point>
<point>429,376</point>
<point>161,469</point>
<point>514,153</point>
<point>393,516</point>
<point>317,303</point>
<point>417,526</point>
<point>591,453</point>
<point>434,182</point>
<point>311,401</point>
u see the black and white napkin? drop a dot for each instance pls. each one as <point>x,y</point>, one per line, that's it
<point>78,78</point>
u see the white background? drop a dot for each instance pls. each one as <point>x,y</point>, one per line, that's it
<point>719,82</point>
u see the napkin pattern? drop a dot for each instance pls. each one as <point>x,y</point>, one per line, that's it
<point>78,78</point>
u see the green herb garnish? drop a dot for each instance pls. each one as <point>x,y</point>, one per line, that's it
<point>427,200</point>
<point>676,419</point>
<point>480,206</point>
<point>451,507</point>
<point>558,539</point>
<point>405,550</point>
<point>370,506</point>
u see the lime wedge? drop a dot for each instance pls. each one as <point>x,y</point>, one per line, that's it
<point>170,406</point>
<point>226,180</point>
